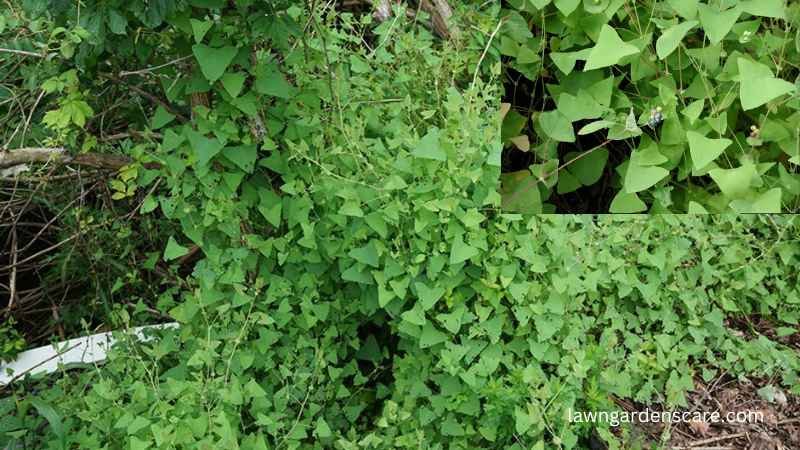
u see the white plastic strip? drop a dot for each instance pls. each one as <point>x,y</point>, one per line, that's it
<point>83,350</point>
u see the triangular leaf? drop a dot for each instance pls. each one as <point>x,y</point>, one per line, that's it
<point>758,85</point>
<point>557,126</point>
<point>608,50</point>
<point>672,37</point>
<point>704,150</point>
<point>716,23</point>
<point>233,83</point>
<point>428,147</point>
<point>213,61</point>
<point>460,251</point>
<point>174,250</point>
<point>204,148</point>
<point>625,203</point>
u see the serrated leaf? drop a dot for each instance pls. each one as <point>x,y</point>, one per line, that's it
<point>609,50</point>
<point>322,429</point>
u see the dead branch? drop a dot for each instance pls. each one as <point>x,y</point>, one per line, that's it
<point>32,155</point>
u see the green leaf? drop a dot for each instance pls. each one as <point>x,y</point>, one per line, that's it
<point>768,202</point>
<point>588,169</point>
<point>428,147</point>
<point>213,61</point>
<point>270,206</point>
<point>641,178</point>
<point>595,6</point>
<point>625,203</point>
<point>693,111</point>
<point>322,430</point>
<point>460,251</point>
<point>427,296</point>
<point>736,182</point>
<point>430,336</point>
<point>595,126</point>
<point>200,28</point>
<point>233,83</point>
<point>566,61</point>
<point>160,118</point>
<point>686,8</point>
<point>270,81</point>
<point>244,156</point>
<point>367,254</point>
<point>117,23</point>
<point>522,421</point>
<point>519,192</point>
<point>556,126</point>
<point>204,148</point>
<point>758,85</point>
<point>53,418</point>
<point>765,8</point>
<point>705,150</point>
<point>174,250</point>
<point>608,50</point>
<point>567,6</point>
<point>672,37</point>
<point>567,183</point>
<point>716,23</point>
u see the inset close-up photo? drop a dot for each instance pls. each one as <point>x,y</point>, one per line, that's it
<point>658,106</point>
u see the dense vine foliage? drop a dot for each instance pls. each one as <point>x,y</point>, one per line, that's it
<point>658,105</point>
<point>360,283</point>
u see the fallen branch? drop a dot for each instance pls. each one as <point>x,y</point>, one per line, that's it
<point>58,155</point>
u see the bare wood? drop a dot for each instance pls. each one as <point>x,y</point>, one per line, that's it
<point>383,10</point>
<point>32,155</point>
<point>441,13</point>
<point>11,158</point>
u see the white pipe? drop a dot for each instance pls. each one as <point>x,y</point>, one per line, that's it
<point>79,351</point>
